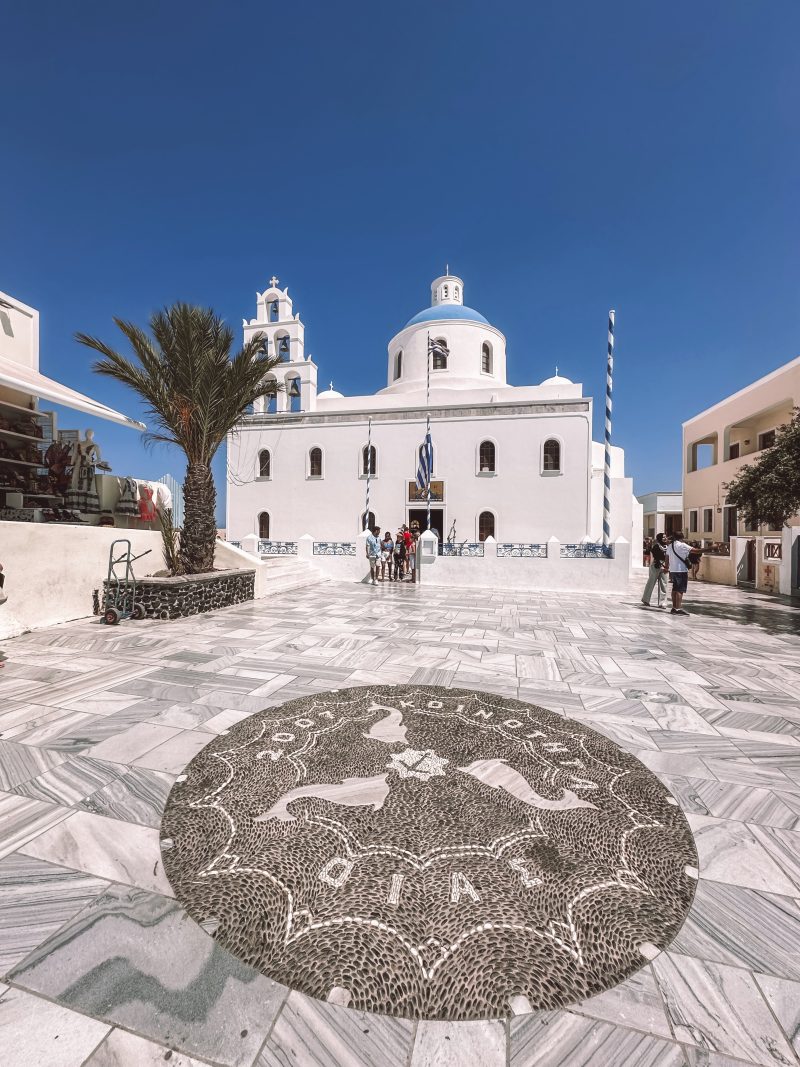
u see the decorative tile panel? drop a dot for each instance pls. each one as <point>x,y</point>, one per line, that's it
<point>537,551</point>
<point>277,548</point>
<point>334,548</point>
<point>465,549</point>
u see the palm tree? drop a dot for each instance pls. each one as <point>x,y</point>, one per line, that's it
<point>195,393</point>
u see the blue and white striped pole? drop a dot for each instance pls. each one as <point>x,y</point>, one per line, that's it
<point>369,472</point>
<point>428,433</point>
<point>607,464</point>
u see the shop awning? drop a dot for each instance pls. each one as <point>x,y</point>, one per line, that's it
<point>24,380</point>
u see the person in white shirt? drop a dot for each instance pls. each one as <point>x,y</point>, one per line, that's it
<point>678,555</point>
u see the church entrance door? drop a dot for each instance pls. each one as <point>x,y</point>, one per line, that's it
<point>420,514</point>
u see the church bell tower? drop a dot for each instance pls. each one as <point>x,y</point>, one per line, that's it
<point>285,335</point>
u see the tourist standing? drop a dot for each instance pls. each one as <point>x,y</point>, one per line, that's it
<point>387,554</point>
<point>656,571</point>
<point>373,554</point>
<point>399,556</point>
<point>678,556</point>
<point>407,539</point>
<point>412,557</point>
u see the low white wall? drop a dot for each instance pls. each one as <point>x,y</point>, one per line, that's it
<point>489,571</point>
<point>51,570</point>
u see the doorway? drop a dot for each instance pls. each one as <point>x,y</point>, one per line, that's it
<point>421,515</point>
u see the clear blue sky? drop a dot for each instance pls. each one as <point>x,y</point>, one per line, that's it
<point>563,157</point>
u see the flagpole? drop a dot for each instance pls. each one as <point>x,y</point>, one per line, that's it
<point>428,432</point>
<point>369,471</point>
<point>607,463</point>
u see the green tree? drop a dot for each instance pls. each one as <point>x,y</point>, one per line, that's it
<point>195,392</point>
<point>768,491</point>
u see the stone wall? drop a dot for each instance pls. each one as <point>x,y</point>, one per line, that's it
<point>175,598</point>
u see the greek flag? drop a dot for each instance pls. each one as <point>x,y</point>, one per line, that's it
<point>425,468</point>
<point>438,348</point>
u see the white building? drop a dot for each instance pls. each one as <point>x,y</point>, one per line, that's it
<point>663,512</point>
<point>513,462</point>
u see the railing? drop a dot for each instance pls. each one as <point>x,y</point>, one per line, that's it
<point>334,548</point>
<point>722,548</point>
<point>587,550</point>
<point>527,551</point>
<point>464,549</point>
<point>236,544</point>
<point>277,548</point>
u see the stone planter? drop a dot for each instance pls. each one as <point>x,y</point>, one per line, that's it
<point>176,598</point>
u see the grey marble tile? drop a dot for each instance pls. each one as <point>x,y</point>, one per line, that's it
<point>742,772</point>
<point>122,1049</point>
<point>69,782</point>
<point>19,763</point>
<point>729,852</point>
<point>173,755</point>
<point>118,851</point>
<point>742,803</point>
<point>563,1039</point>
<point>635,1003</point>
<point>128,745</point>
<point>133,959</point>
<point>445,1044</point>
<point>316,1034</point>
<point>37,1033</point>
<point>36,898</point>
<point>743,928</point>
<point>784,999</point>
<point>719,1009</point>
<point>783,848</point>
<point>22,819</point>
<point>138,796</point>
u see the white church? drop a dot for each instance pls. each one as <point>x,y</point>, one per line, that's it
<point>516,463</point>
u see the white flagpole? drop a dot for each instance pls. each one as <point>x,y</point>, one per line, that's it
<point>369,471</point>
<point>607,464</point>
<point>428,449</point>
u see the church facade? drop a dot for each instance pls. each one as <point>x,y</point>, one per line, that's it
<point>516,463</point>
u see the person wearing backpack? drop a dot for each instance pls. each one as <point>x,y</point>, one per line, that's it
<point>679,556</point>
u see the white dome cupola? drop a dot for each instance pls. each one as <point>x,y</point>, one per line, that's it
<point>447,289</point>
<point>472,352</point>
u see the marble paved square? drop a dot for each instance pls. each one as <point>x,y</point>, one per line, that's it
<point>101,965</point>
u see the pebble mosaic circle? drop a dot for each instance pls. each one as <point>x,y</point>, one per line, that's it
<point>428,852</point>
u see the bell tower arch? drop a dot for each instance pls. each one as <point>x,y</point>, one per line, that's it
<point>285,335</point>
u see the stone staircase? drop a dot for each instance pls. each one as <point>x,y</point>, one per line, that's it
<point>288,572</point>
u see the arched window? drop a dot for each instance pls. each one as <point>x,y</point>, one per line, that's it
<point>273,311</point>
<point>486,358</point>
<point>455,292</point>
<point>369,460</point>
<point>551,455</point>
<point>439,358</point>
<point>264,464</point>
<point>446,290</point>
<point>486,457</point>
<point>263,526</point>
<point>485,525</point>
<point>315,463</point>
<point>368,520</point>
<point>283,351</point>
<point>398,365</point>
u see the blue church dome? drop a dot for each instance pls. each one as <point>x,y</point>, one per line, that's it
<point>447,311</point>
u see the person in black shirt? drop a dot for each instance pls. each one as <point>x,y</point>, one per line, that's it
<point>657,571</point>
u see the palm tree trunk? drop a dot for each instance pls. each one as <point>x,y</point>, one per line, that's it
<point>199,519</point>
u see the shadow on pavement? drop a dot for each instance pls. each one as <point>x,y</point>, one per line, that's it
<point>779,618</point>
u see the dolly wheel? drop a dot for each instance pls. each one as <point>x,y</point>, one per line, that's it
<point>138,611</point>
<point>111,616</point>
